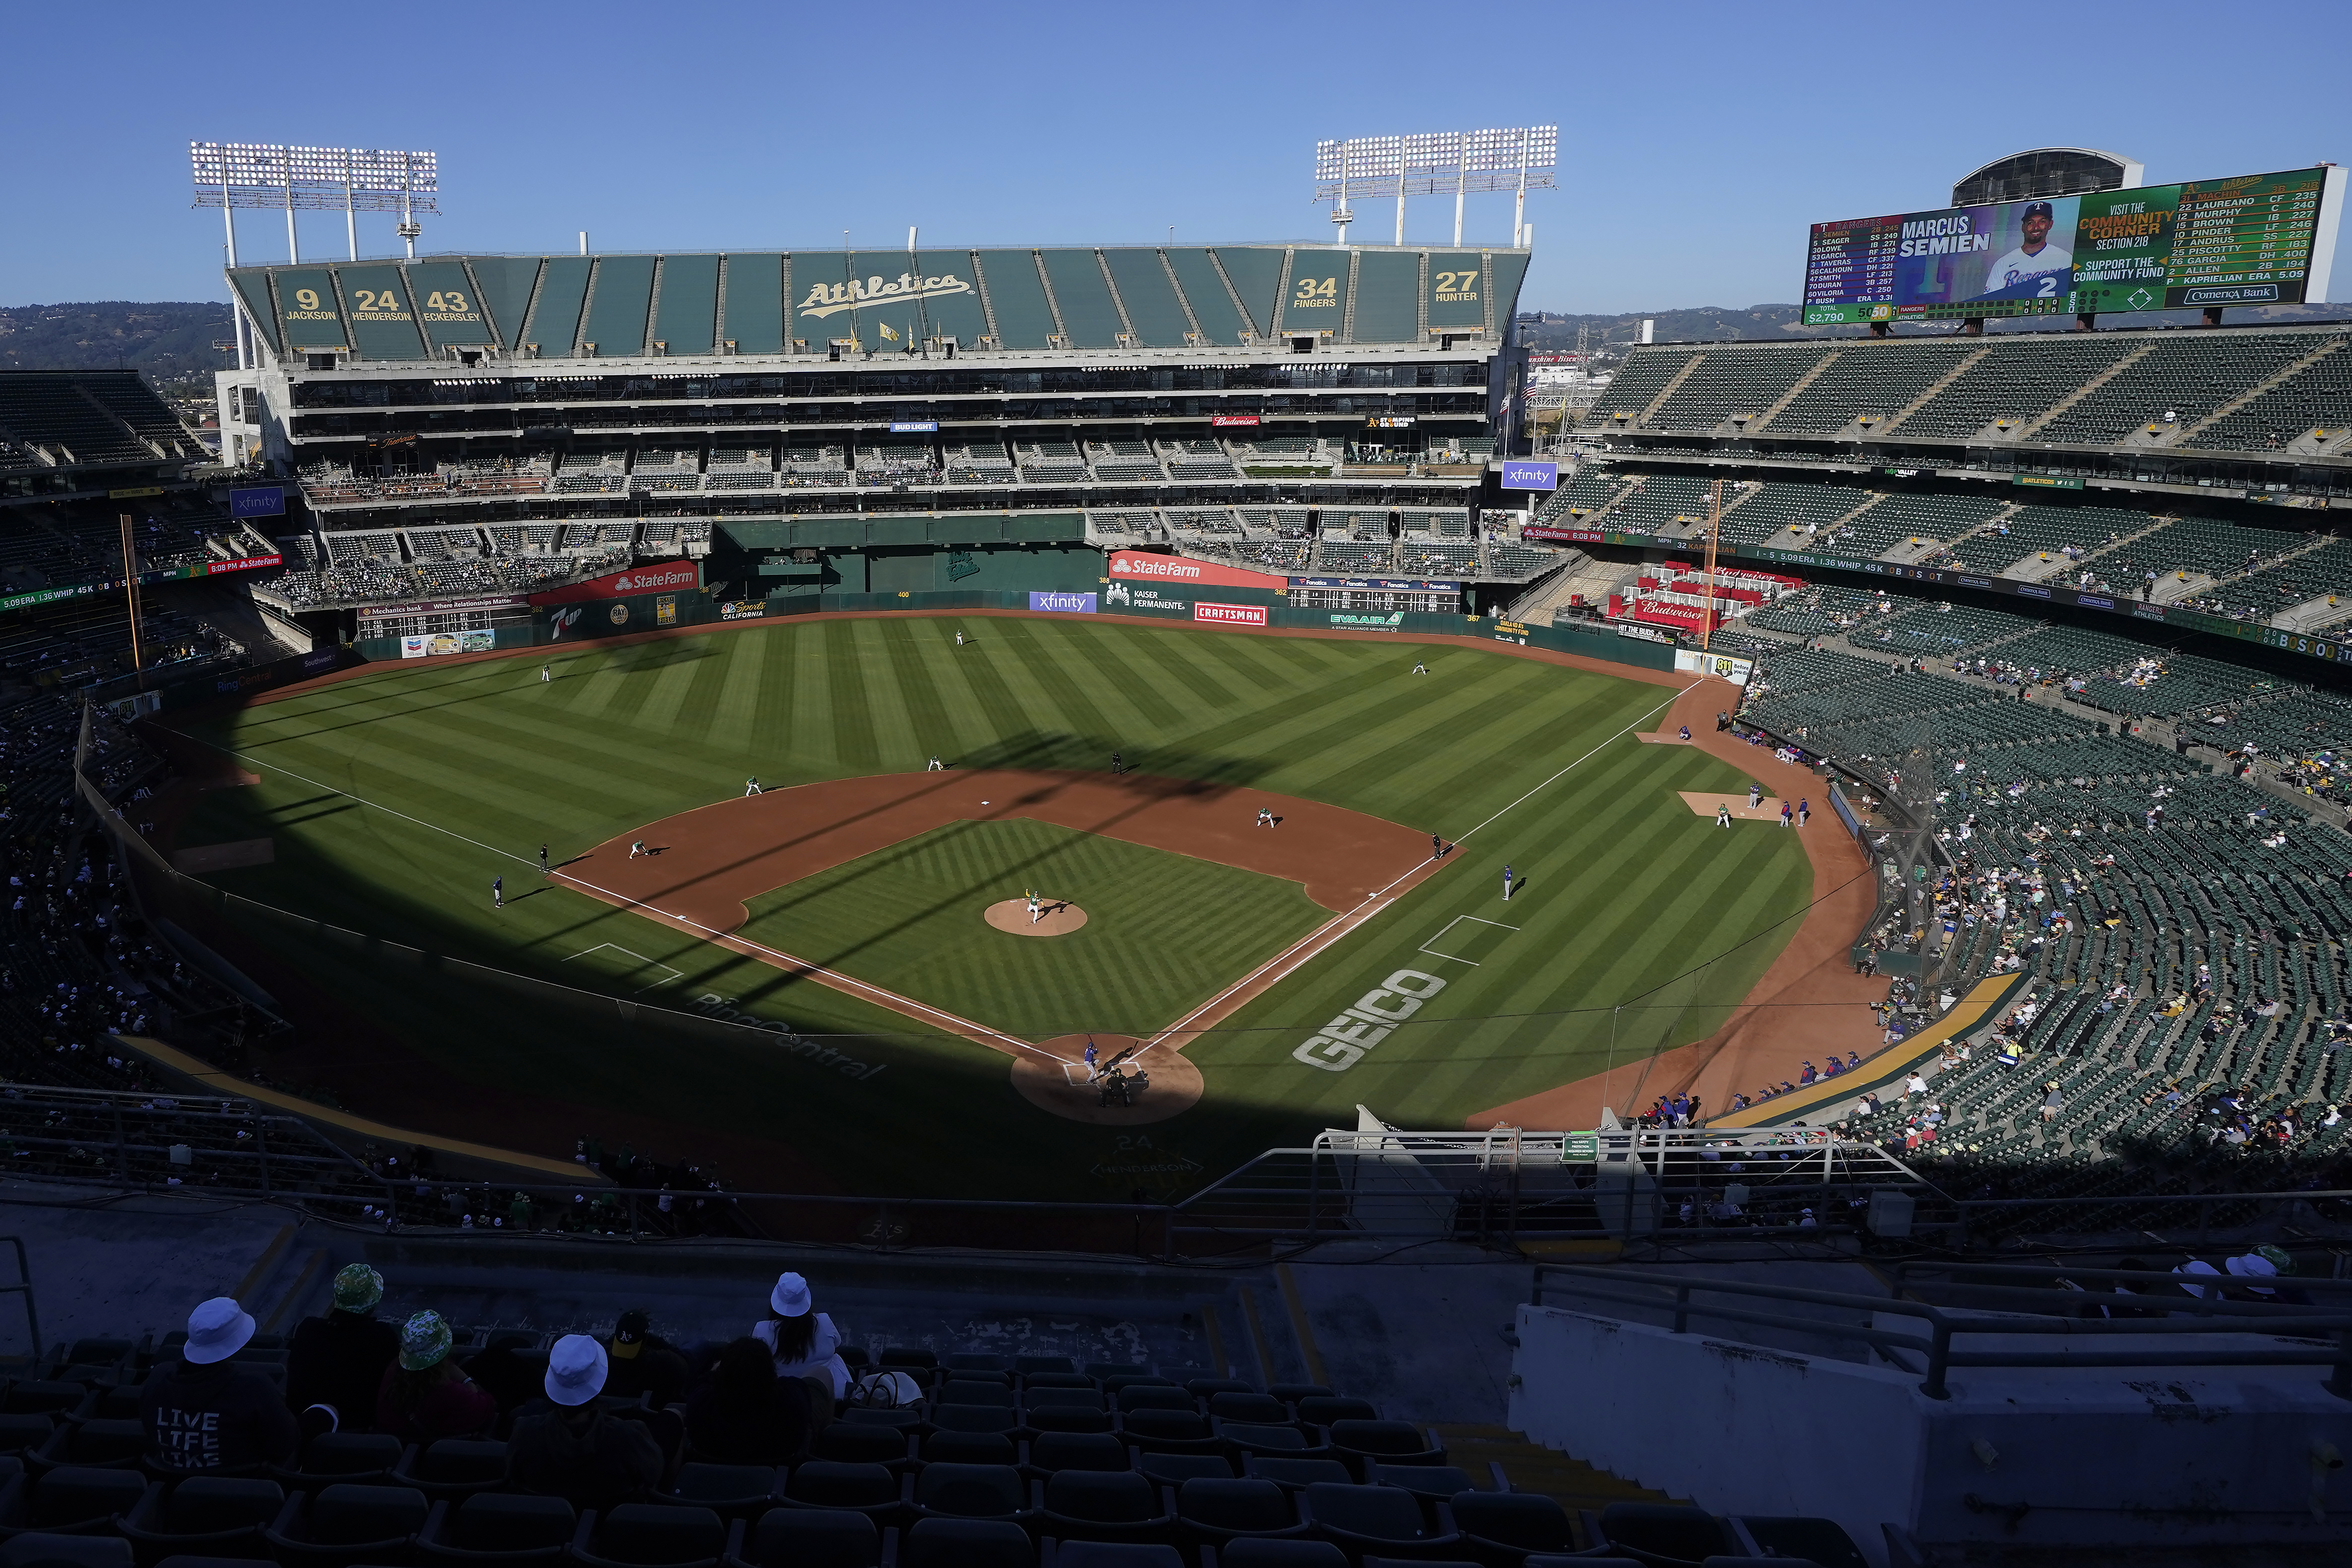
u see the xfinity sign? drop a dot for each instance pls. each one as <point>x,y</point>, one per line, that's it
<point>1530,476</point>
<point>257,503</point>
<point>1062,603</point>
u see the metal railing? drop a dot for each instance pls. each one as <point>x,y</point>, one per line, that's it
<point>2297,1335</point>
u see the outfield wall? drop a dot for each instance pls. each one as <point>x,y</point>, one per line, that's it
<point>1209,608</point>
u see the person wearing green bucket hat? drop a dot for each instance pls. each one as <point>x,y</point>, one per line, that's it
<point>426,1394</point>
<point>336,1362</point>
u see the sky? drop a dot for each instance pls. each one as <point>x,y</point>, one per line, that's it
<point>1696,141</point>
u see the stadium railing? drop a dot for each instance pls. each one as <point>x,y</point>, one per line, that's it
<point>2210,1329</point>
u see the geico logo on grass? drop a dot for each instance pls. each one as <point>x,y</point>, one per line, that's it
<point>1342,1043</point>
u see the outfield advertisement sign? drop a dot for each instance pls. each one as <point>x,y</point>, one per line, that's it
<point>1378,584</point>
<point>439,644</point>
<point>1061,603</point>
<point>1137,566</point>
<point>1342,1043</point>
<point>661,578</point>
<point>1140,598</point>
<point>443,607</point>
<point>1229,614</point>
<point>743,609</point>
<point>1519,476</point>
<point>1692,662</point>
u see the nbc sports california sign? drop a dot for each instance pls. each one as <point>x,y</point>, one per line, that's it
<point>667,578</point>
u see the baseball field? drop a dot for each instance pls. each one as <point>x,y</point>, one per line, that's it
<point>1251,902</point>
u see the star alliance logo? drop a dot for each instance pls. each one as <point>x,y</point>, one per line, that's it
<point>832,299</point>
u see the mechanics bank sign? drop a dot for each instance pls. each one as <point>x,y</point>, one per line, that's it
<point>832,299</point>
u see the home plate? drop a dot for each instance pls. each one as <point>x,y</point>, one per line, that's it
<point>1705,805</point>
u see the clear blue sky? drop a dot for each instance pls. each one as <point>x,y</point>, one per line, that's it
<point>1698,140</point>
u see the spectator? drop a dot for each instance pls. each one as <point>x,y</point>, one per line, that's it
<point>803,1342</point>
<point>591,1457</point>
<point>206,1413</point>
<point>746,1415</point>
<point>338,1360</point>
<point>425,1394</point>
<point>641,1362</point>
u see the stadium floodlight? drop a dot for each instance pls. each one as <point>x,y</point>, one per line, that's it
<point>1432,163</point>
<point>232,174</point>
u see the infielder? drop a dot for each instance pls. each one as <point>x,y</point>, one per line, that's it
<point>751,786</point>
<point>497,892</point>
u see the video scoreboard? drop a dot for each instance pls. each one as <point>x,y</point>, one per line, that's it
<point>2257,239</point>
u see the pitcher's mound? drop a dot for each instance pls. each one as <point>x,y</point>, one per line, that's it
<point>1057,1081</point>
<point>1059,917</point>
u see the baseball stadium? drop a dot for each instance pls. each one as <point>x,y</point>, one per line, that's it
<point>1173,825</point>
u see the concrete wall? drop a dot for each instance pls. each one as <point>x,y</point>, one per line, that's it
<point>2164,1456</point>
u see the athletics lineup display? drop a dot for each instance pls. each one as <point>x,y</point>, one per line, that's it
<point>2258,239</point>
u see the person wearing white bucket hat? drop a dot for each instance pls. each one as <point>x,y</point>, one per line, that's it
<point>805,1343</point>
<point>576,1450</point>
<point>207,1413</point>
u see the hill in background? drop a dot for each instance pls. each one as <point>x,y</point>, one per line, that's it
<point>172,340</point>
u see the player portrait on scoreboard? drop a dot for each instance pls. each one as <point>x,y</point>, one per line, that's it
<point>2040,265</point>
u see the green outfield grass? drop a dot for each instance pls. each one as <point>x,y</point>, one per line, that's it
<point>465,770</point>
<point>1163,931</point>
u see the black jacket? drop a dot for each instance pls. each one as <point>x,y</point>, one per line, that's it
<point>595,1459</point>
<point>338,1360</point>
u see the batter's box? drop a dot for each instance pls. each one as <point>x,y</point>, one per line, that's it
<point>641,964</point>
<point>1468,946</point>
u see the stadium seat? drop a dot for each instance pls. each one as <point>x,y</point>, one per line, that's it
<point>1098,1505</point>
<point>1384,1442</point>
<point>1362,1519</point>
<point>1174,1470</point>
<point>971,1448</point>
<point>1424,1480</point>
<point>22,1432</point>
<point>1137,1396</point>
<point>734,1492</point>
<point>36,1549</point>
<point>1171,1431</point>
<point>216,1562</point>
<point>1053,1451</point>
<point>1044,1366</point>
<point>966,1543</point>
<point>95,1444</point>
<point>205,1516</point>
<point>1321,1410</point>
<point>975,1418</point>
<point>1281,1554</point>
<point>68,1501</point>
<point>1206,1388</point>
<point>1037,1397</point>
<point>1068,1418</point>
<point>1103,1371</point>
<point>1251,1438</point>
<point>811,1538</point>
<point>1249,1406</point>
<point>452,1467</point>
<point>650,1535</point>
<point>973,1360</point>
<point>498,1530</point>
<point>344,1524</point>
<point>870,1490</point>
<point>1662,1530</point>
<point>41,1397</point>
<point>1292,1473</point>
<point>1292,1392</point>
<point>958,1390</point>
<point>1112,1554</point>
<point>1499,1523</point>
<point>358,1458</point>
<point>1211,1511</point>
<point>971,1491</point>
<point>898,1420</point>
<point>1822,1541</point>
<point>859,1443</point>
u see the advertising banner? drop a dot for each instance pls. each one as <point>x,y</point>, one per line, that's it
<point>1233,419</point>
<point>1142,598</point>
<point>1380,584</point>
<point>621,584</point>
<point>1692,662</point>
<point>259,502</point>
<point>1519,475</point>
<point>442,607</point>
<point>436,644</point>
<point>1230,614</point>
<point>1062,603</point>
<point>743,609</point>
<point>2253,239</point>
<point>1137,566</point>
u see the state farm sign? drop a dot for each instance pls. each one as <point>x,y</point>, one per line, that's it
<point>666,578</point>
<point>1138,567</point>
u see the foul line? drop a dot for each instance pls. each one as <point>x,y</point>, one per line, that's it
<point>1275,970</point>
<point>1290,959</point>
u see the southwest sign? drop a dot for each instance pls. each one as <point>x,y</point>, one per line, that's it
<point>1138,567</point>
<point>621,584</point>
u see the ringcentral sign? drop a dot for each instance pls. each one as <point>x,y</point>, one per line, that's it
<point>1343,1042</point>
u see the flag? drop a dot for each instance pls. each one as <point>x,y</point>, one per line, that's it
<point>887,333</point>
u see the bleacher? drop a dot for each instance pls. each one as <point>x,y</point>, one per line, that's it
<point>980,463</point>
<point>1787,516</point>
<point>1637,383</point>
<point>1346,557</point>
<point>2053,532</point>
<point>1663,501</point>
<point>89,418</point>
<point>1138,524</point>
<point>889,462</point>
<point>2195,547</point>
<point>1873,379</point>
<point>1124,462</point>
<point>1053,462</point>
<point>817,464</point>
<point>2183,377</point>
<point>2317,397</point>
<point>1198,459</point>
<point>733,467</point>
<point>1725,386</point>
<point>1210,521</point>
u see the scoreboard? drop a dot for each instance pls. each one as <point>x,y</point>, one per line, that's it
<point>2256,240</point>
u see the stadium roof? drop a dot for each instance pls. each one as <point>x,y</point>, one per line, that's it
<point>1116,297</point>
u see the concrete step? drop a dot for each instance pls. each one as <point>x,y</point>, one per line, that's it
<point>1530,1468</point>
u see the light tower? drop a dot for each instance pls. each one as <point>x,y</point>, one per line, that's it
<point>1518,159</point>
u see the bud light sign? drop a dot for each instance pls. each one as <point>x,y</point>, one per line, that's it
<point>1062,603</point>
<point>257,503</point>
<point>1530,476</point>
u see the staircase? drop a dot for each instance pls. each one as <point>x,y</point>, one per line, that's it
<point>1674,384</point>
<point>1934,390</point>
<point>1808,379</point>
<point>2331,346</point>
<point>1572,1483</point>
<point>2080,393</point>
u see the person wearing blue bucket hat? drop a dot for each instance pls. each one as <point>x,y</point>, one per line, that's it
<point>208,1412</point>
